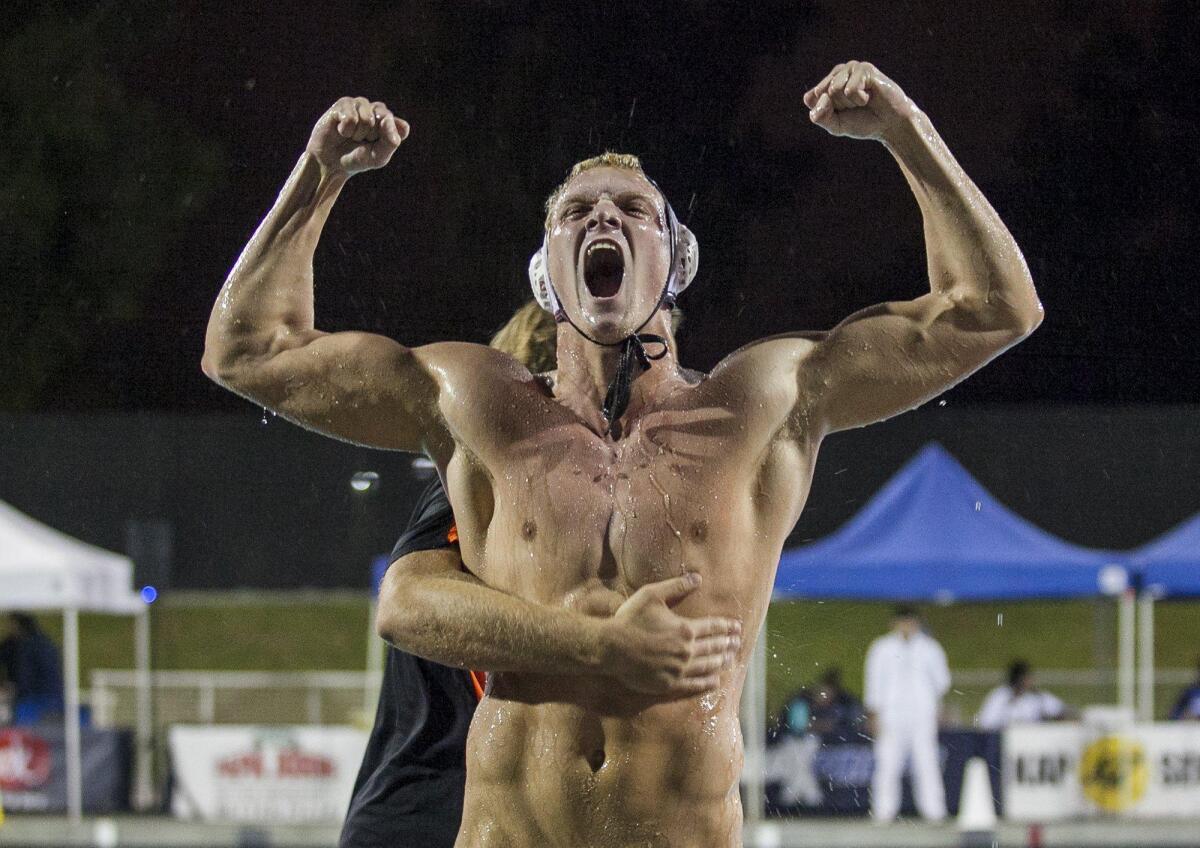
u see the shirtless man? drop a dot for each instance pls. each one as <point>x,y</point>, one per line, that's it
<point>559,504</point>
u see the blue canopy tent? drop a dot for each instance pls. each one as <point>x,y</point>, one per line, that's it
<point>933,533</point>
<point>1170,565</point>
<point>1167,567</point>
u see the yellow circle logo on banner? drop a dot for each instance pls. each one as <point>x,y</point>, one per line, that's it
<point>1113,773</point>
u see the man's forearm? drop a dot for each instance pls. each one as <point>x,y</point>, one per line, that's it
<point>269,292</point>
<point>971,253</point>
<point>456,620</point>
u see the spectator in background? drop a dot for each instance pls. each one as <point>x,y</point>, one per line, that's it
<point>825,707</point>
<point>32,670</point>
<point>833,709</point>
<point>792,719</point>
<point>1187,708</point>
<point>1018,702</point>
<point>906,677</point>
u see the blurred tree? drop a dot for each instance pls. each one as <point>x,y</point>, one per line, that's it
<point>98,184</point>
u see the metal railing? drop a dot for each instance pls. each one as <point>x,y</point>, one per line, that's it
<point>343,697</point>
<point>241,697</point>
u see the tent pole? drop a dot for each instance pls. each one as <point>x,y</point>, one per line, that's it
<point>754,733</point>
<point>1126,639</point>
<point>1145,705</point>
<point>71,719</point>
<point>144,764</point>
<point>374,661</point>
<point>760,718</point>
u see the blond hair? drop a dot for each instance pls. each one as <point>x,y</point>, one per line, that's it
<point>607,159</point>
<point>531,337</point>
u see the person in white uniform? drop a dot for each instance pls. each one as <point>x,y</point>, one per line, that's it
<point>1019,702</point>
<point>906,677</point>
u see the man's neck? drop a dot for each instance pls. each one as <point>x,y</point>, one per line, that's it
<point>586,369</point>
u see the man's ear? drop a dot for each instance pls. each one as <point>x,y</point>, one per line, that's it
<point>687,251</point>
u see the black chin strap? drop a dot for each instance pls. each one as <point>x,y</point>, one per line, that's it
<point>633,348</point>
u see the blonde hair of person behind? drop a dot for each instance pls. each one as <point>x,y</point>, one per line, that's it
<point>531,337</point>
<point>607,159</point>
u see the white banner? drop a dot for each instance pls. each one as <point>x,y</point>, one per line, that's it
<point>1061,771</point>
<point>264,774</point>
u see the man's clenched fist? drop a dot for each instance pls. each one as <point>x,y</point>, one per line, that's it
<point>857,100</point>
<point>356,135</point>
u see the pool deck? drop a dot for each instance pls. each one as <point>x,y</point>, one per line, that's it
<point>145,831</point>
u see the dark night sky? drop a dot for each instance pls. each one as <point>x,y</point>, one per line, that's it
<point>151,144</point>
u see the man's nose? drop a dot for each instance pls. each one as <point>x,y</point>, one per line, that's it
<point>604,217</point>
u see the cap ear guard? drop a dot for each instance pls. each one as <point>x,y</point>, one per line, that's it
<point>539,281</point>
<point>687,250</point>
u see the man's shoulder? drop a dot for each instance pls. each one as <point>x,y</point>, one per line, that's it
<point>471,376</point>
<point>881,642</point>
<point>929,641</point>
<point>762,377</point>
<point>769,355</point>
<point>465,360</point>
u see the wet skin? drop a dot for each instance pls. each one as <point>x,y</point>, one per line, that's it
<point>709,477</point>
<point>704,473</point>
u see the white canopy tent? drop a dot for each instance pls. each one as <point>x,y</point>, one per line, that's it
<point>44,569</point>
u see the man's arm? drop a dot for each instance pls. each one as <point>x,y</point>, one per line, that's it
<point>991,714</point>
<point>892,357</point>
<point>430,606</point>
<point>872,683</point>
<point>1181,704</point>
<point>261,341</point>
<point>939,669</point>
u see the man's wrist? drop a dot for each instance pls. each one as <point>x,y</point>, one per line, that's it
<point>605,645</point>
<point>909,134</point>
<point>330,178</point>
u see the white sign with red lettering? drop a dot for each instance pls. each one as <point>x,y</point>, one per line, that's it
<point>261,774</point>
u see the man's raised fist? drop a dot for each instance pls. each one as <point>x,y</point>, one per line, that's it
<point>356,135</point>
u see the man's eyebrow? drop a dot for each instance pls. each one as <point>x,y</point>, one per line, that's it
<point>628,194</point>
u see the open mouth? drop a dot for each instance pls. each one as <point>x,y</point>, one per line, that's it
<point>603,268</point>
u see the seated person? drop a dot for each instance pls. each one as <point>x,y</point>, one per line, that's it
<point>793,717</point>
<point>834,710</point>
<point>1019,702</point>
<point>825,707</point>
<point>1187,708</point>
<point>31,667</point>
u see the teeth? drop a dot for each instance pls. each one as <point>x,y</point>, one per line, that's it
<point>600,245</point>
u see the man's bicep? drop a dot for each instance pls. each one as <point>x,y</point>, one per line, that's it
<point>893,357</point>
<point>359,387</point>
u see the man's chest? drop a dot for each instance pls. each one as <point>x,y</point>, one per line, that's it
<point>564,506</point>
